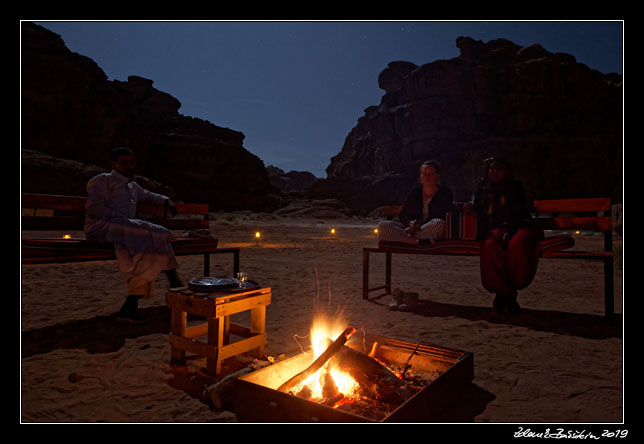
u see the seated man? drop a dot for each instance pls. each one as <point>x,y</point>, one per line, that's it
<point>142,248</point>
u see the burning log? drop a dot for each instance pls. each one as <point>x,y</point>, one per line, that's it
<point>305,393</point>
<point>330,392</point>
<point>376,380</point>
<point>334,399</point>
<point>219,395</point>
<point>335,346</point>
<point>329,389</point>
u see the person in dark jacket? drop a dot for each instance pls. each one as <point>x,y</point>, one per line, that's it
<point>422,219</point>
<point>510,245</point>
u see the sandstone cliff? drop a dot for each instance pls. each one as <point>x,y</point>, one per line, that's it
<point>558,121</point>
<point>291,181</point>
<point>71,111</point>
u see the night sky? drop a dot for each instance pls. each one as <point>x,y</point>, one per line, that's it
<point>296,89</point>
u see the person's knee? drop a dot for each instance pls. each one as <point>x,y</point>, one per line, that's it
<point>523,279</point>
<point>491,247</point>
<point>436,228</point>
<point>390,230</point>
<point>524,273</point>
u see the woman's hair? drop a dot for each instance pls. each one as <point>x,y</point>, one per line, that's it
<point>431,163</point>
<point>496,160</point>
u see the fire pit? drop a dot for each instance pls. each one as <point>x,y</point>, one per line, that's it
<point>365,378</point>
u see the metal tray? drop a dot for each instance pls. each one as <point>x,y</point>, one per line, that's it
<point>212,284</point>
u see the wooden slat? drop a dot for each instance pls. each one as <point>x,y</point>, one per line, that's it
<point>240,330</point>
<point>53,201</point>
<point>178,327</point>
<point>77,203</point>
<point>193,346</point>
<point>542,206</point>
<point>149,208</point>
<point>182,208</point>
<point>191,208</point>
<point>201,307</point>
<point>248,303</point>
<point>572,205</point>
<point>213,352</point>
<point>180,224</point>
<point>44,212</point>
<point>226,297</point>
<point>52,223</point>
<point>196,331</point>
<point>603,223</point>
<point>574,254</point>
<point>77,223</point>
<point>236,348</point>
<point>38,213</point>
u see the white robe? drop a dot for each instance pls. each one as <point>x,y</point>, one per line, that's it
<point>143,249</point>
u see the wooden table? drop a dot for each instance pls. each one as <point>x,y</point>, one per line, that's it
<point>217,308</point>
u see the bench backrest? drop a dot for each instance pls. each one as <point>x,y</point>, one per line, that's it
<point>591,214</point>
<point>588,214</point>
<point>52,212</point>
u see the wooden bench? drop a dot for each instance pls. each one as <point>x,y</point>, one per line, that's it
<point>592,214</point>
<point>57,212</point>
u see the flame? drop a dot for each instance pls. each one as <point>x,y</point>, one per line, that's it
<point>323,329</point>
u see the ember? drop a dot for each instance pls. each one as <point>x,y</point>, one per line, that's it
<point>376,389</point>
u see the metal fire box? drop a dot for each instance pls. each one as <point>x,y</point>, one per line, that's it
<point>257,399</point>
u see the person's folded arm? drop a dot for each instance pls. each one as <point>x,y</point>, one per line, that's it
<point>168,204</point>
<point>96,206</point>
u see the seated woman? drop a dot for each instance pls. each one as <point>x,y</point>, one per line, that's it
<point>422,219</point>
<point>509,249</point>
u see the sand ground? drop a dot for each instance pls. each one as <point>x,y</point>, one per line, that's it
<point>557,362</point>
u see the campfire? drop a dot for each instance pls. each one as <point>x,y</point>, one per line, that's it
<point>351,376</point>
<point>349,379</point>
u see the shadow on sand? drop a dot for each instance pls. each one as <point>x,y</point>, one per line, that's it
<point>106,334</point>
<point>102,334</point>
<point>573,324</point>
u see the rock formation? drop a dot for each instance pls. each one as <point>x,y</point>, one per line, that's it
<point>557,121</point>
<point>71,111</point>
<point>291,181</point>
<point>69,177</point>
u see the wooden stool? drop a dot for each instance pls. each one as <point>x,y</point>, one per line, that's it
<point>217,308</point>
